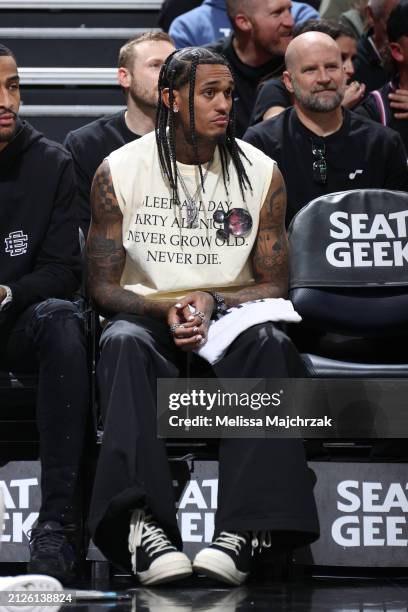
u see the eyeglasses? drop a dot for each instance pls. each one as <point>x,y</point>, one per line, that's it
<point>235,222</point>
<point>319,165</point>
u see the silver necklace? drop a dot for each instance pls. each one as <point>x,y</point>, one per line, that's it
<point>192,208</point>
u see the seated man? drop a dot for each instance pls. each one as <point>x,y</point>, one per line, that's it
<point>139,63</point>
<point>255,50</point>
<point>273,97</point>
<point>39,329</point>
<point>389,104</point>
<point>319,146</point>
<point>152,202</point>
<point>372,64</point>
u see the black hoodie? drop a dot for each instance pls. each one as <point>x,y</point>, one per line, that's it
<point>247,80</point>
<point>39,247</point>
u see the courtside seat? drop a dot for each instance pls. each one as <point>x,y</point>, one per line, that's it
<point>18,432</point>
<point>349,282</point>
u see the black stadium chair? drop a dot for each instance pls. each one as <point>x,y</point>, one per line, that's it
<point>349,282</point>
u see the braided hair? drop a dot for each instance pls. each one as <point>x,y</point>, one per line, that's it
<point>6,52</point>
<point>179,69</point>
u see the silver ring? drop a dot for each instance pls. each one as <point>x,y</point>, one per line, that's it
<point>174,326</point>
<point>200,314</point>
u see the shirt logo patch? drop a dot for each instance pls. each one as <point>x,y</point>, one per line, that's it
<point>353,175</point>
<point>16,243</point>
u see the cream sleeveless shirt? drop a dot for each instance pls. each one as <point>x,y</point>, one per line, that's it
<point>164,258</point>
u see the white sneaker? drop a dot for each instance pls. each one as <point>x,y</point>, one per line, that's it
<point>228,558</point>
<point>28,583</point>
<point>155,560</point>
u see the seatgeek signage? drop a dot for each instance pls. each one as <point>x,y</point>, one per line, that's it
<point>363,512</point>
<point>20,486</point>
<point>352,238</point>
<point>362,507</point>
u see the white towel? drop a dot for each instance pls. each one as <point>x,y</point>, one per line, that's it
<point>223,331</point>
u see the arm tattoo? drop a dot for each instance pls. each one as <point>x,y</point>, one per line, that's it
<point>270,253</point>
<point>106,255</point>
<point>281,191</point>
<point>106,197</point>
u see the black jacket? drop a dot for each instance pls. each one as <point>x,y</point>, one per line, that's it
<point>247,79</point>
<point>376,106</point>
<point>89,145</point>
<point>39,246</point>
<point>368,65</point>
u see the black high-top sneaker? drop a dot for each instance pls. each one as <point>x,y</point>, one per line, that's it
<point>228,558</point>
<point>51,551</point>
<point>154,558</point>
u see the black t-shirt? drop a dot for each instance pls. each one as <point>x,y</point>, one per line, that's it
<point>89,145</point>
<point>376,106</point>
<point>271,93</point>
<point>360,155</point>
<point>247,80</point>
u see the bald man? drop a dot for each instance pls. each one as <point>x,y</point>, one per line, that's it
<point>321,147</point>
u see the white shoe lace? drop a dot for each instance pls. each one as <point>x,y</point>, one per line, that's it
<point>233,541</point>
<point>143,527</point>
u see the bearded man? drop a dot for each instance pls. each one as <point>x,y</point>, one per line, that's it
<point>139,63</point>
<point>321,147</point>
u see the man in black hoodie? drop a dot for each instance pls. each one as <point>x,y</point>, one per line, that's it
<point>40,330</point>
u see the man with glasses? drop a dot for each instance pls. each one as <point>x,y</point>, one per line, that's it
<point>186,222</point>
<point>319,146</point>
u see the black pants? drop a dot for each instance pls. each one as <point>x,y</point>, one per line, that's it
<point>48,338</point>
<point>264,484</point>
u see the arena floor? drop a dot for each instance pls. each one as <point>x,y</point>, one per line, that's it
<point>307,595</point>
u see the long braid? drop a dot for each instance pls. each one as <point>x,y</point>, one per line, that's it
<point>231,148</point>
<point>193,134</point>
<point>163,116</point>
<point>236,155</point>
<point>224,167</point>
<point>172,141</point>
